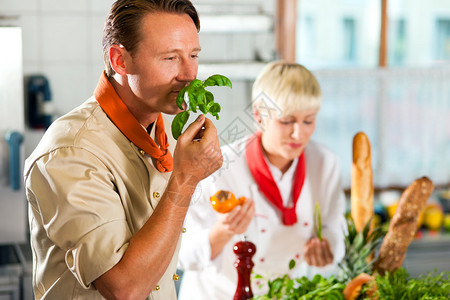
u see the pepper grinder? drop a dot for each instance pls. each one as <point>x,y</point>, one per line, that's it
<point>244,251</point>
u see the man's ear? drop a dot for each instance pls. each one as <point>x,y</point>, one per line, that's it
<point>117,55</point>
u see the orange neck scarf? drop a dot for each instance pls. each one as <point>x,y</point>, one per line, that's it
<point>112,105</point>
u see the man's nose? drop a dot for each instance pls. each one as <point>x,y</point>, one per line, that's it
<point>188,71</point>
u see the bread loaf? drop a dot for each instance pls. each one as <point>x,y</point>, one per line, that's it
<point>361,192</point>
<point>403,226</point>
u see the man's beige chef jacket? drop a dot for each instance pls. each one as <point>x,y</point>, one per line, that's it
<point>90,190</point>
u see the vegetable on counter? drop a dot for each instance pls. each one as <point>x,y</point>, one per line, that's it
<point>198,97</point>
<point>357,280</point>
<point>397,285</point>
<point>319,288</point>
<point>353,289</point>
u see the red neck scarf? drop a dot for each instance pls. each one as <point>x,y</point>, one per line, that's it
<point>112,105</point>
<point>263,177</point>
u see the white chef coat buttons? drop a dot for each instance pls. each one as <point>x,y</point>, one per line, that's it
<point>184,230</point>
<point>157,288</point>
<point>156,195</point>
<point>176,277</point>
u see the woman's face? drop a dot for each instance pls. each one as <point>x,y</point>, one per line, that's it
<point>284,139</point>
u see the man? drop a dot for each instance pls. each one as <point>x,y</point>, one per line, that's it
<point>107,200</point>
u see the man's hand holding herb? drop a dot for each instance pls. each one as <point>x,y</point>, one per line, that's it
<point>195,159</point>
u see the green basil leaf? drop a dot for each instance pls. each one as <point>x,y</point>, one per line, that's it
<point>291,264</point>
<point>214,110</point>
<point>200,96</point>
<point>217,80</point>
<point>192,102</point>
<point>180,97</point>
<point>196,83</point>
<point>178,123</point>
<point>203,108</point>
<point>209,97</point>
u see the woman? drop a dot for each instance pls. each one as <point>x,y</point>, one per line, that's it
<point>282,175</point>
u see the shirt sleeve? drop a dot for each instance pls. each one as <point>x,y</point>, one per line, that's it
<point>81,210</point>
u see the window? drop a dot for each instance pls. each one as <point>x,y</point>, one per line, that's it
<point>404,108</point>
<point>443,39</point>
<point>349,40</point>
<point>397,42</point>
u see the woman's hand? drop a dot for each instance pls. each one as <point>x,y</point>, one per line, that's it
<point>229,224</point>
<point>238,219</point>
<point>318,253</point>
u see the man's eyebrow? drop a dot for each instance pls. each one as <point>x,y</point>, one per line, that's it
<point>196,49</point>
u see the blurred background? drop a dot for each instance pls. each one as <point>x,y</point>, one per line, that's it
<point>383,65</point>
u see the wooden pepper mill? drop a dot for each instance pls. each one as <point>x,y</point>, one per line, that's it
<point>244,251</point>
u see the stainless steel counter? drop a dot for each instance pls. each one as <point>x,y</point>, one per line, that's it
<point>429,252</point>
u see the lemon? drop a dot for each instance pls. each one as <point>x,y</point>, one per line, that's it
<point>433,218</point>
<point>391,209</point>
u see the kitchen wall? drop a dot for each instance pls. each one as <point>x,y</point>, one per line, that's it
<point>62,41</point>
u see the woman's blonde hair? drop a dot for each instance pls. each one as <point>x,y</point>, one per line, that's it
<point>286,87</point>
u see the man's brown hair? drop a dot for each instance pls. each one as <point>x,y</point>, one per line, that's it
<point>123,24</point>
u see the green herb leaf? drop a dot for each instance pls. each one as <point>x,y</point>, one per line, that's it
<point>178,123</point>
<point>196,83</point>
<point>199,98</point>
<point>291,264</point>
<point>180,97</point>
<point>317,221</point>
<point>214,110</point>
<point>209,97</point>
<point>217,80</point>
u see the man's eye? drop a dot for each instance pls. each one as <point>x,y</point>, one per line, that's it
<point>308,122</point>
<point>194,55</point>
<point>171,58</point>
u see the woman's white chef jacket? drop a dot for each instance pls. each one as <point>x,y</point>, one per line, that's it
<point>276,244</point>
<point>89,190</point>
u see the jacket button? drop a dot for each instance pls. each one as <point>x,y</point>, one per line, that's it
<point>184,230</point>
<point>176,277</point>
<point>157,288</point>
<point>142,152</point>
<point>156,195</point>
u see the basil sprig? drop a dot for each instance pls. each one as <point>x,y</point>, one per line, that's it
<point>198,98</point>
<point>317,221</point>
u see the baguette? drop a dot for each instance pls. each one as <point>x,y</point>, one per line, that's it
<point>361,192</point>
<point>403,226</point>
